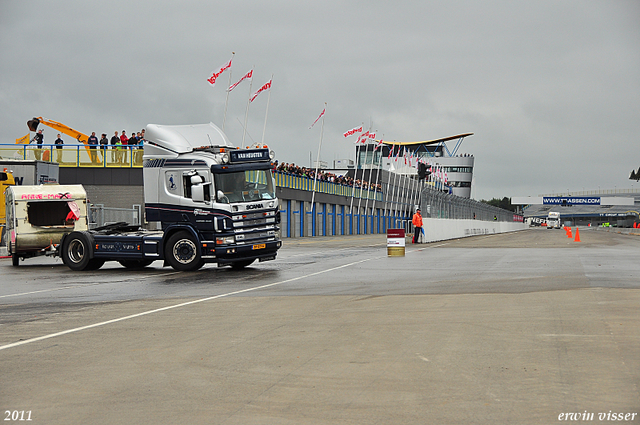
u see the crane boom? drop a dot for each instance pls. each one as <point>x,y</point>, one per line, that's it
<point>65,129</point>
<point>33,126</point>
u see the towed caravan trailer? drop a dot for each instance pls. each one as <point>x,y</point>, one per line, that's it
<point>38,217</point>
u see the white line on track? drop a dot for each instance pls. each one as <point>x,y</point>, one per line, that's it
<point>201,300</point>
<point>145,313</point>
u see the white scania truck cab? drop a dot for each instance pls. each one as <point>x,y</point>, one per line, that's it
<point>212,201</point>
<point>553,220</point>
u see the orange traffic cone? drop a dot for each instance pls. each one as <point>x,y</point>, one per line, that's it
<point>577,235</point>
<point>569,234</point>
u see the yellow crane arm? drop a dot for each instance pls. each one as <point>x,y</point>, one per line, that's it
<point>33,126</point>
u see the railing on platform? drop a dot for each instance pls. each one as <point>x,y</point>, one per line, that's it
<point>292,181</point>
<point>77,156</point>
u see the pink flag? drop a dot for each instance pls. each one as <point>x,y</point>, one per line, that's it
<point>247,76</point>
<point>319,116</point>
<point>216,74</point>
<point>266,86</point>
<point>353,131</point>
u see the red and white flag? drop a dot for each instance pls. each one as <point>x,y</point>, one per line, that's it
<point>378,145</point>
<point>366,136</point>
<point>353,131</point>
<point>319,116</point>
<point>247,76</point>
<point>216,74</point>
<point>266,86</point>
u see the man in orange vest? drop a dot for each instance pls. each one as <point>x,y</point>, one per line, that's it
<point>417,224</point>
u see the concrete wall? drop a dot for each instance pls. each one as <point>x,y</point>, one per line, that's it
<point>112,187</point>
<point>438,229</point>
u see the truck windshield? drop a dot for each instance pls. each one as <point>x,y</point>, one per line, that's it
<point>244,186</point>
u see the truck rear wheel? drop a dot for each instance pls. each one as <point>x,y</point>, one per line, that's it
<point>76,251</point>
<point>181,252</point>
<point>95,264</point>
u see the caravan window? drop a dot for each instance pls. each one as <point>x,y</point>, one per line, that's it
<point>48,213</point>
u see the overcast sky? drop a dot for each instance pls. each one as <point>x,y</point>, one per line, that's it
<point>550,89</point>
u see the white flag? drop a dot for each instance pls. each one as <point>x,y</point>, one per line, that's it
<point>247,76</point>
<point>319,116</point>
<point>216,74</point>
<point>353,131</point>
<point>266,86</point>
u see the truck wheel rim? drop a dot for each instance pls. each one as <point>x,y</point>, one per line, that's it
<point>184,251</point>
<point>76,251</point>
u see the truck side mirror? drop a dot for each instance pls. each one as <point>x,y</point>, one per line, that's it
<point>197,193</point>
<point>222,197</point>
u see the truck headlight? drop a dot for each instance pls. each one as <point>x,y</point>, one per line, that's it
<point>225,240</point>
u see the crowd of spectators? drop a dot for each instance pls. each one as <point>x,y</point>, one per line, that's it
<point>325,176</point>
<point>119,145</point>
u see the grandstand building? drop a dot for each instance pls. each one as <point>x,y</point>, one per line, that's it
<point>402,157</point>
<point>615,208</point>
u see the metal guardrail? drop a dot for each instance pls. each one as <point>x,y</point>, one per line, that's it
<point>437,204</point>
<point>292,181</point>
<point>77,156</point>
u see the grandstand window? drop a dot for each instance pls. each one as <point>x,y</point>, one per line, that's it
<point>458,169</point>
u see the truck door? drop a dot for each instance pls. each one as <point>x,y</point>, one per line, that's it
<point>196,196</point>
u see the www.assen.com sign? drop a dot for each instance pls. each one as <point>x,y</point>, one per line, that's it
<point>570,201</point>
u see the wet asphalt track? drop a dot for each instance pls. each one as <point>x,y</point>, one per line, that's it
<point>514,328</point>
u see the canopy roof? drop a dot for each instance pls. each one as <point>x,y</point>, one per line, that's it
<point>428,142</point>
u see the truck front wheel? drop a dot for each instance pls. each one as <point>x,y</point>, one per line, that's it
<point>75,252</point>
<point>181,252</point>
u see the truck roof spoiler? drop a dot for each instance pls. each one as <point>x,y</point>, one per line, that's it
<point>178,139</point>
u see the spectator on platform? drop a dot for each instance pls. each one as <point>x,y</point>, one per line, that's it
<point>92,141</point>
<point>59,142</point>
<point>123,149</point>
<point>104,142</point>
<point>39,138</point>
<point>114,141</point>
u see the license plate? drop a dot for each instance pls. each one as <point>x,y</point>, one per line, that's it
<point>260,246</point>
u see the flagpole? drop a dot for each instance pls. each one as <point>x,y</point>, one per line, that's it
<point>377,178</point>
<point>246,113</point>
<point>315,175</point>
<point>226,102</point>
<point>267,111</point>
<point>388,191</point>
<point>393,194</point>
<point>366,205</point>
<point>364,169</point>
<point>353,188</point>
